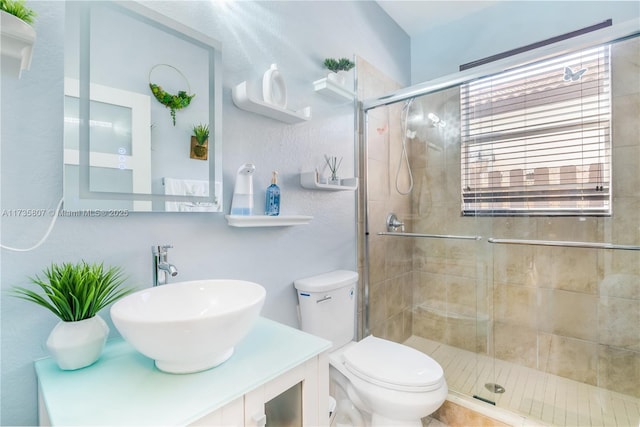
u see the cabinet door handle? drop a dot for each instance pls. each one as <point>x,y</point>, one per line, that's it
<point>260,420</point>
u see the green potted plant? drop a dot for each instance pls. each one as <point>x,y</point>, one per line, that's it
<point>338,68</point>
<point>342,64</point>
<point>200,142</point>
<point>75,293</point>
<point>19,9</point>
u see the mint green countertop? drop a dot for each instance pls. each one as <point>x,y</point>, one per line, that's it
<point>124,387</point>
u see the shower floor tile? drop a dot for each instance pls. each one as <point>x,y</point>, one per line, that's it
<point>536,395</point>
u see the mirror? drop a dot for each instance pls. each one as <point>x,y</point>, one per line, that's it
<point>137,83</point>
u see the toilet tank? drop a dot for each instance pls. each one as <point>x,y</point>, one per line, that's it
<point>328,305</point>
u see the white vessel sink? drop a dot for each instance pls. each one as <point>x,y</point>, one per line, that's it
<point>189,326</point>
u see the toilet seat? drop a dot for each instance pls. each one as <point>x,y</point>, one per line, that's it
<point>393,366</point>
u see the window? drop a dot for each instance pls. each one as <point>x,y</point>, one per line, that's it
<point>536,140</point>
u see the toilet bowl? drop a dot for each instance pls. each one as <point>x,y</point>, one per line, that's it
<point>389,384</point>
<point>394,385</point>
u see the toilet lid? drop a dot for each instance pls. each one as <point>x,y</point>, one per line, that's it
<point>393,365</point>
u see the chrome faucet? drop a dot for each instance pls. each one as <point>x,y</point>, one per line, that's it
<point>162,269</point>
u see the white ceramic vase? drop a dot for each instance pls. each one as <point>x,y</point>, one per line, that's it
<point>74,345</point>
<point>339,78</point>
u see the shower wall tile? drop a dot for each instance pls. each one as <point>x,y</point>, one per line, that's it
<point>378,187</point>
<point>430,290</point>
<point>514,265</point>
<point>584,229</point>
<point>573,269</point>
<point>626,227</point>
<point>570,358</point>
<point>625,123</point>
<point>515,305</point>
<point>461,296</point>
<point>429,324</point>
<point>569,314</point>
<point>622,284</point>
<point>626,72</point>
<point>619,370</point>
<point>377,308</point>
<point>397,296</point>
<point>376,252</point>
<point>398,257</point>
<point>619,322</point>
<point>461,332</point>
<point>378,138</point>
<point>626,180</point>
<point>515,343</point>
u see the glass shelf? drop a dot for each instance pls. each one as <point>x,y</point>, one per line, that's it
<point>267,221</point>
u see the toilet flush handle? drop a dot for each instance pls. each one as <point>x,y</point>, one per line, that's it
<point>323,299</point>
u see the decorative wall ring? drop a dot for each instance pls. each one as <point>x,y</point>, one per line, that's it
<point>172,102</point>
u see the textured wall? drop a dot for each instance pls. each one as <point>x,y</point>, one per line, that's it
<point>253,35</point>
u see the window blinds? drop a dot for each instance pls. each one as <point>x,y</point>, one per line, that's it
<point>536,140</point>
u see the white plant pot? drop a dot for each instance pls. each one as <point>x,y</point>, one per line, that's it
<point>74,345</point>
<point>339,78</point>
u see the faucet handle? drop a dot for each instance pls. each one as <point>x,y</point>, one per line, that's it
<point>160,249</point>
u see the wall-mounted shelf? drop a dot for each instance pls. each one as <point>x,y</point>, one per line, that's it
<point>244,100</point>
<point>332,89</point>
<point>267,221</point>
<point>16,41</point>
<point>309,180</point>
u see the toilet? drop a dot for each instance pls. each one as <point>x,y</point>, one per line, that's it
<point>375,382</point>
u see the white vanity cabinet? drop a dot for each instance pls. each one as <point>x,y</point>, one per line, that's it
<point>276,371</point>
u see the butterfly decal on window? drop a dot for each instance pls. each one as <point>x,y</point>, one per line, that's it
<point>571,76</point>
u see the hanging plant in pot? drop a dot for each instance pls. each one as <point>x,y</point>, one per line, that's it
<point>171,101</point>
<point>76,293</point>
<point>200,142</point>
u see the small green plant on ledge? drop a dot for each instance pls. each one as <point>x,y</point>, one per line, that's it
<point>18,9</point>
<point>75,292</point>
<point>335,65</point>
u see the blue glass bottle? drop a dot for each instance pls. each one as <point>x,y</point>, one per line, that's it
<point>272,206</point>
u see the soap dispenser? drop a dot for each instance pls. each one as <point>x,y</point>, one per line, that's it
<point>242,201</point>
<point>272,205</point>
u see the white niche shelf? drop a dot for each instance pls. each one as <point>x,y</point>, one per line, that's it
<point>267,221</point>
<point>333,90</point>
<point>309,180</point>
<point>244,100</point>
<point>16,42</point>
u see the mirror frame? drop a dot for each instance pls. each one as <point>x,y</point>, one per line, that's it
<point>161,22</point>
